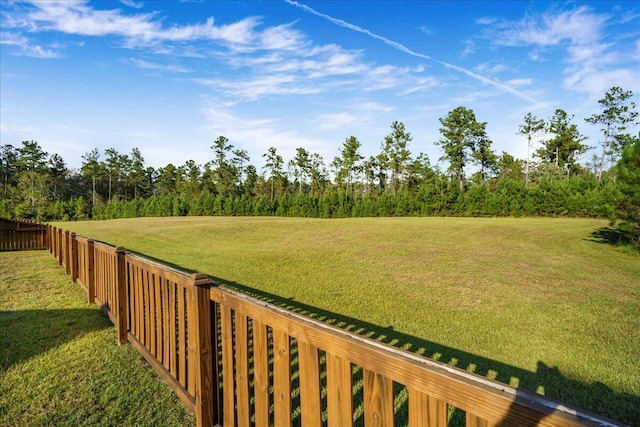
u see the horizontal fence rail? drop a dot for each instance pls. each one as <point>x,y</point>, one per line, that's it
<point>235,360</point>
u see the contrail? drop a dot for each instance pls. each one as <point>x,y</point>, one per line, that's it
<point>408,51</point>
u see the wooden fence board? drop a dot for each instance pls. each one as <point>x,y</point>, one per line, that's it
<point>242,369</point>
<point>310,392</point>
<point>166,334</point>
<point>192,357</point>
<point>182,337</point>
<point>281,378</point>
<point>378,400</point>
<point>261,373</point>
<point>426,411</point>
<point>339,391</point>
<point>173,330</point>
<point>228,403</point>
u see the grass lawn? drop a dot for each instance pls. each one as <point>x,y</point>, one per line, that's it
<point>59,361</point>
<point>535,302</point>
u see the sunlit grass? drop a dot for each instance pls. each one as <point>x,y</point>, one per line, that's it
<point>59,362</point>
<point>538,303</point>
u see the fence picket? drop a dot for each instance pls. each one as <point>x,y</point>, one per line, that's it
<point>261,373</point>
<point>281,378</point>
<point>228,400</point>
<point>242,369</point>
<point>426,411</point>
<point>339,389</point>
<point>311,411</point>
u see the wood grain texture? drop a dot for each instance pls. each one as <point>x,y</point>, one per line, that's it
<point>242,369</point>
<point>426,411</point>
<point>487,399</point>
<point>378,400</point>
<point>261,374</point>
<point>310,405</point>
<point>281,378</point>
<point>228,386</point>
<point>339,391</point>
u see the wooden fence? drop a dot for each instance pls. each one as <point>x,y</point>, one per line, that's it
<point>22,235</point>
<point>238,361</point>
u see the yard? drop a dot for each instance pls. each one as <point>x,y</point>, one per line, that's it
<point>545,304</point>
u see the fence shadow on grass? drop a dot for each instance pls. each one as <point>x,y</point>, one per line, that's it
<point>593,397</point>
<point>28,333</point>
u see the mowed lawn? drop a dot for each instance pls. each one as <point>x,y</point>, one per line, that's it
<point>535,302</point>
<point>59,361</point>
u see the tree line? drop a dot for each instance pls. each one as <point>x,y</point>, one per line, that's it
<point>478,181</point>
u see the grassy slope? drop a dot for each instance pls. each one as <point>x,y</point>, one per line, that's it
<point>531,302</point>
<point>59,362</point>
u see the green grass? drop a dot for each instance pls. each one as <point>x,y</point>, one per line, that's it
<point>59,361</point>
<point>540,303</point>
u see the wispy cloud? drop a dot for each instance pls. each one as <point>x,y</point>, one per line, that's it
<point>426,30</point>
<point>267,61</point>
<point>336,121</point>
<point>147,65</point>
<point>491,67</point>
<point>139,29</point>
<point>257,135</point>
<point>411,52</point>
<point>26,48</point>
<point>133,4</point>
<point>591,63</point>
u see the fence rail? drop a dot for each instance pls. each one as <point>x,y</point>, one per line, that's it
<point>238,361</point>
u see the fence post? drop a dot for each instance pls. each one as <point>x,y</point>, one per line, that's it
<point>91,285</point>
<point>53,242</point>
<point>74,258</point>
<point>43,236</point>
<point>204,357</point>
<point>59,246</point>
<point>121,295</point>
<point>67,253</point>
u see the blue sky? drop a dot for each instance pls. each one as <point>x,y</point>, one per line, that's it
<point>170,77</point>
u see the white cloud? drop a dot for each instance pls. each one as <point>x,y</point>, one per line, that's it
<point>491,67</point>
<point>426,30</point>
<point>486,20</point>
<point>25,48</point>
<point>147,65</point>
<point>402,48</point>
<point>421,85</point>
<point>336,121</point>
<point>579,26</point>
<point>591,61</point>
<point>132,3</point>
<point>519,82</point>
<point>257,135</point>
<point>139,29</point>
<point>469,48</point>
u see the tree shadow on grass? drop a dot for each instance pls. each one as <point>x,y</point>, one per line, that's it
<point>592,397</point>
<point>28,333</point>
<point>609,235</point>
